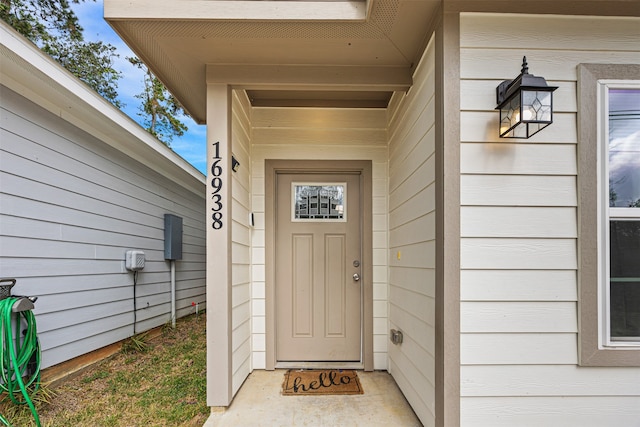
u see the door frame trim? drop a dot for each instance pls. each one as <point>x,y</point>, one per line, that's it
<point>364,168</point>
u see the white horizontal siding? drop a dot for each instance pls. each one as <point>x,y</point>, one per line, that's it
<point>519,308</point>
<point>518,285</point>
<point>555,65</point>
<point>592,411</point>
<point>506,221</point>
<point>511,317</point>
<point>317,118</point>
<point>501,253</point>
<point>327,136</point>
<point>518,190</point>
<point>547,380</point>
<point>241,242</point>
<point>412,233</point>
<point>579,33</point>
<point>518,349</point>
<point>502,158</point>
<point>70,207</point>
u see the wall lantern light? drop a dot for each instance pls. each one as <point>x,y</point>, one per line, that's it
<point>525,104</point>
<point>235,164</point>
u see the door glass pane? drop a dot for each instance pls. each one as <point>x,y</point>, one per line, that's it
<point>319,202</point>
<point>625,280</point>
<point>624,148</point>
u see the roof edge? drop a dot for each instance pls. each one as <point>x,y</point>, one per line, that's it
<point>34,75</point>
<point>240,10</point>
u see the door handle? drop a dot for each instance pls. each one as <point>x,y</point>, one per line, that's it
<point>356,277</point>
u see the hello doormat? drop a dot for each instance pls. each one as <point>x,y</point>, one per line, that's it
<point>321,382</point>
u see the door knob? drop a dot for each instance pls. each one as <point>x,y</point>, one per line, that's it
<point>356,277</point>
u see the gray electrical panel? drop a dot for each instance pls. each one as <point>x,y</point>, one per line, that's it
<point>172,237</point>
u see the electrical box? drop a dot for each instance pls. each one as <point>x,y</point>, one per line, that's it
<point>172,237</point>
<point>396,336</point>
<point>134,260</point>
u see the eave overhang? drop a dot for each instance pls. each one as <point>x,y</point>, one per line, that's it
<point>285,53</point>
<point>240,10</point>
<point>34,75</point>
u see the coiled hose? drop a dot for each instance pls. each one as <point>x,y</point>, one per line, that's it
<point>18,351</point>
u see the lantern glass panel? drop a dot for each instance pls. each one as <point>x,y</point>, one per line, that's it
<point>544,113</point>
<point>529,103</point>
<point>536,106</point>
<point>510,116</point>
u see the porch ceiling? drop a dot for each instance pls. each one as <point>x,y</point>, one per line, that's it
<point>283,52</point>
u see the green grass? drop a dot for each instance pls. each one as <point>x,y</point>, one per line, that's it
<point>153,382</point>
<point>98,375</point>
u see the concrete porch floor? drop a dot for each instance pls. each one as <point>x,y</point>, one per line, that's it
<point>260,403</point>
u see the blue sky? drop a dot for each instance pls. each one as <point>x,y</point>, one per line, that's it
<point>624,145</point>
<point>192,145</point>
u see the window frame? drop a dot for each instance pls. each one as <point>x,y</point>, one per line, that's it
<point>606,212</point>
<point>595,348</point>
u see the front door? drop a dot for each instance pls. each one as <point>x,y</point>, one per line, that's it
<point>318,267</point>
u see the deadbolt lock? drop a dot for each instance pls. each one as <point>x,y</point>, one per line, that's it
<point>356,263</point>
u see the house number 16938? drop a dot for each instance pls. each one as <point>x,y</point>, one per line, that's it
<point>216,187</point>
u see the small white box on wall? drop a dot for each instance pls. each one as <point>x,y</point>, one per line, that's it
<point>134,260</point>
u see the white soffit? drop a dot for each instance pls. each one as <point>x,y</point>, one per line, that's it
<point>180,39</point>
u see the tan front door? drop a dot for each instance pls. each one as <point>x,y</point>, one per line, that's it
<point>318,267</point>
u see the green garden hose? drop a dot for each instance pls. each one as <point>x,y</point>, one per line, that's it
<point>18,351</point>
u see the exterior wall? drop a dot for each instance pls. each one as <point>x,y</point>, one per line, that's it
<point>412,234</point>
<point>329,134</point>
<point>241,241</point>
<point>70,207</point>
<point>518,230</point>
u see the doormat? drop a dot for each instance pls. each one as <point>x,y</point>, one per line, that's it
<point>320,382</point>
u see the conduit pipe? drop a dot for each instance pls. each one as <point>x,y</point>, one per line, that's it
<point>173,293</point>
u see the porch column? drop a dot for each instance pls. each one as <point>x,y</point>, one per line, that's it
<point>218,222</point>
<point>447,321</point>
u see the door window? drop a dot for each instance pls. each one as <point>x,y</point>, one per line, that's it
<point>315,202</point>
